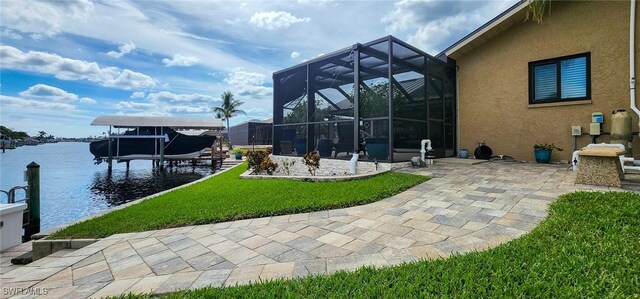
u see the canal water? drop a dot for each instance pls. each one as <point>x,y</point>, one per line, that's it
<point>73,187</point>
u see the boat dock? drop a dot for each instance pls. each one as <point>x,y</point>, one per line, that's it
<point>216,156</point>
<point>157,139</point>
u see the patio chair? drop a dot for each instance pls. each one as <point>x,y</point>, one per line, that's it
<point>345,140</point>
<point>288,141</point>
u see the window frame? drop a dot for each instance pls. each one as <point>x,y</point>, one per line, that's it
<point>557,61</point>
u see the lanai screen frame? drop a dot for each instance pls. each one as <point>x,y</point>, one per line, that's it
<point>422,109</point>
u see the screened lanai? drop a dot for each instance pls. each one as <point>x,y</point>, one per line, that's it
<point>379,99</point>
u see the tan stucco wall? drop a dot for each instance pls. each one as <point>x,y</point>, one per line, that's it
<point>493,80</point>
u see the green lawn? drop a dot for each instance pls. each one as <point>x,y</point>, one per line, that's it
<point>588,247</point>
<point>227,197</point>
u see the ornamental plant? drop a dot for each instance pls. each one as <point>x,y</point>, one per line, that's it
<point>546,147</point>
<point>312,161</point>
<point>259,162</point>
<point>268,166</point>
<point>287,165</point>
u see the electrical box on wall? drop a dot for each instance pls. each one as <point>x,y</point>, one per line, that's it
<point>594,129</point>
<point>597,117</point>
<point>576,130</point>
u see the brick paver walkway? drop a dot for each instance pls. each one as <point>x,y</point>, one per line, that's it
<point>462,209</point>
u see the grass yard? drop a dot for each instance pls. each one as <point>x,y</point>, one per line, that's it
<point>227,197</point>
<point>588,247</point>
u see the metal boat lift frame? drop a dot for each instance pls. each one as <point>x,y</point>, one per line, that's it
<point>116,121</point>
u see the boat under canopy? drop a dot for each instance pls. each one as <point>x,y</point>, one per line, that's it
<point>153,138</point>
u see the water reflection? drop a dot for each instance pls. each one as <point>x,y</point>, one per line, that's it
<point>125,186</point>
<point>72,187</point>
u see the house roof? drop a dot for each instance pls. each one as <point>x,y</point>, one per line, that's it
<point>254,121</point>
<point>153,121</point>
<point>495,26</point>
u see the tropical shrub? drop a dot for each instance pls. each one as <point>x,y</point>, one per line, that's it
<point>287,165</point>
<point>312,161</point>
<point>259,162</point>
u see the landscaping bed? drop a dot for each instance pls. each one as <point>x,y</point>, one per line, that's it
<point>587,247</point>
<point>227,197</point>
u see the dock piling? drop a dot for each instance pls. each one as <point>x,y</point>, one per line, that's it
<point>221,152</point>
<point>33,189</point>
<point>161,153</point>
<point>110,155</point>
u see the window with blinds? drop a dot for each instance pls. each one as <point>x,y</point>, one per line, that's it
<point>560,79</point>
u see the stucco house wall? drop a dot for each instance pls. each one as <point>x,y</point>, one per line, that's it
<point>493,80</point>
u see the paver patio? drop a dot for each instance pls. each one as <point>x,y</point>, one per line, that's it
<point>463,208</point>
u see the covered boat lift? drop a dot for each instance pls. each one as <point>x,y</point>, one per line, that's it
<point>175,123</point>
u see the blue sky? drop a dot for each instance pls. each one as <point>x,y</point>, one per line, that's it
<point>62,63</point>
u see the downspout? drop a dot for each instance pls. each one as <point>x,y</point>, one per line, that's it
<point>353,163</point>
<point>457,107</point>
<point>632,62</point>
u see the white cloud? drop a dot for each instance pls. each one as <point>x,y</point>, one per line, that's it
<point>166,103</point>
<point>180,60</point>
<point>37,36</point>
<point>273,20</point>
<point>295,54</point>
<point>434,25</point>
<point>72,69</point>
<point>315,2</point>
<point>197,37</point>
<point>43,17</point>
<point>126,79</point>
<point>25,103</point>
<point>134,105</point>
<point>249,84</point>
<point>46,94</point>
<point>87,100</point>
<point>183,25</point>
<point>11,34</point>
<point>137,95</point>
<point>165,96</point>
<point>256,110</point>
<point>122,50</point>
<point>245,78</point>
<point>59,119</point>
<point>42,91</point>
<point>189,109</point>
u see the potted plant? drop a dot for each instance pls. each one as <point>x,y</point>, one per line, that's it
<point>238,153</point>
<point>542,151</point>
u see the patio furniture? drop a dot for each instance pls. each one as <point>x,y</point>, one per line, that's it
<point>286,147</point>
<point>377,147</point>
<point>287,141</point>
<point>324,147</point>
<point>301,146</point>
<point>345,140</point>
<point>600,166</point>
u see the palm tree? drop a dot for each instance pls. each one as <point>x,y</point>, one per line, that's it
<point>229,108</point>
<point>537,10</point>
<point>41,135</point>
